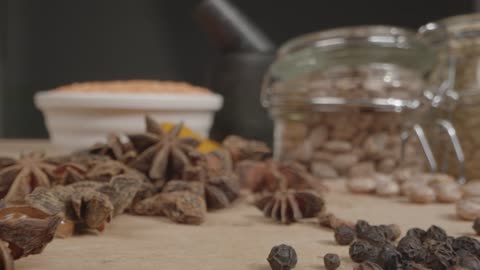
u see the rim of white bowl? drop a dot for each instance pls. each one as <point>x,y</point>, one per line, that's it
<point>74,100</point>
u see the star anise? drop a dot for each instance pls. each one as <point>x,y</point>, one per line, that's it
<point>20,177</point>
<point>290,206</point>
<point>113,148</point>
<point>243,149</point>
<point>163,155</point>
<point>287,205</point>
<point>259,176</point>
<point>89,204</point>
<point>220,183</point>
<point>27,230</point>
<point>6,261</point>
<point>78,168</point>
<point>180,206</point>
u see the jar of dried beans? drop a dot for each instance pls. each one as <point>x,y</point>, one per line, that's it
<point>456,98</point>
<point>341,98</point>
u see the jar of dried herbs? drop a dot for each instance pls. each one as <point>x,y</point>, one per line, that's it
<point>340,99</point>
<point>456,96</point>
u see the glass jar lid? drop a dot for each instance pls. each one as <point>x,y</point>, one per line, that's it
<point>318,68</point>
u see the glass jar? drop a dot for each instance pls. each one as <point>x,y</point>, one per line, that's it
<point>456,97</point>
<point>341,98</point>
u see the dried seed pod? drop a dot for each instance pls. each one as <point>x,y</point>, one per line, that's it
<point>417,233</point>
<point>392,231</point>
<point>114,148</point>
<point>290,206</point>
<point>440,255</point>
<point>323,170</point>
<point>362,226</point>
<point>436,233</point>
<point>447,192</point>
<point>329,220</point>
<point>27,230</point>
<point>344,235</point>
<point>422,194</point>
<point>361,185</point>
<point>181,185</point>
<point>163,155</point>
<point>93,208</point>
<point>184,207</point>
<point>367,266</point>
<point>467,261</point>
<point>469,208</point>
<point>6,260</point>
<point>331,261</point>
<point>362,251</point>
<point>282,257</point>
<point>374,235</point>
<point>20,177</point>
<point>180,206</point>
<point>476,226</point>
<point>389,258</point>
<point>243,149</point>
<point>412,249</point>
<point>468,244</point>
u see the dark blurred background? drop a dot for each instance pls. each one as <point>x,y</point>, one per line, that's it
<point>48,43</point>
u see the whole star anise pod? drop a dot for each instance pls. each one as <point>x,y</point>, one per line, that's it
<point>290,206</point>
<point>163,155</point>
<point>81,167</point>
<point>259,176</point>
<point>113,148</point>
<point>220,183</point>
<point>20,177</point>
<point>27,230</point>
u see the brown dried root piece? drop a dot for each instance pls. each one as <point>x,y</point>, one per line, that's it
<point>163,156</point>
<point>290,206</point>
<point>88,204</point>
<point>20,177</point>
<point>113,148</point>
<point>27,230</point>
<point>243,149</point>
<point>6,260</point>
<point>180,206</point>
<point>260,176</point>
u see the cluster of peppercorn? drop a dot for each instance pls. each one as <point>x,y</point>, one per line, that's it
<point>373,247</point>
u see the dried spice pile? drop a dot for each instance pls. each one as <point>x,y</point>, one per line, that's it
<point>374,247</point>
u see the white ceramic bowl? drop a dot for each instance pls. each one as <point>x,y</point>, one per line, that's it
<point>76,119</point>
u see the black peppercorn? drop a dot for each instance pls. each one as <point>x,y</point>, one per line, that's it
<point>468,244</point>
<point>361,227</point>
<point>417,233</point>
<point>331,261</point>
<point>389,258</point>
<point>440,255</point>
<point>392,232</point>
<point>468,261</point>
<point>344,235</point>
<point>367,266</point>
<point>282,257</point>
<point>361,251</point>
<point>411,249</point>
<point>374,235</point>
<point>436,233</point>
<point>476,225</point>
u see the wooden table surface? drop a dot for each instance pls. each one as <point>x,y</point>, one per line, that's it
<point>234,238</point>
